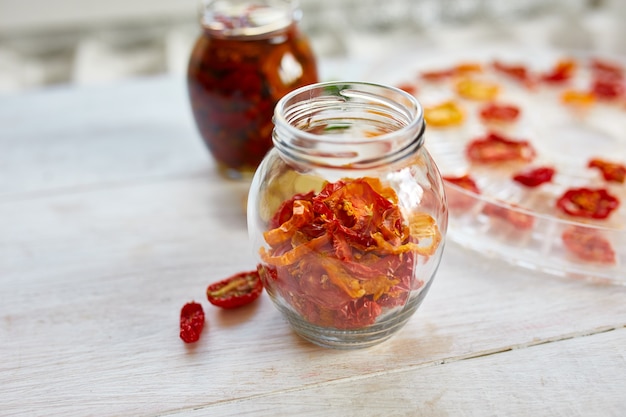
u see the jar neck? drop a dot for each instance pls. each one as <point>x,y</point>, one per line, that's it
<point>249,19</point>
<point>348,125</point>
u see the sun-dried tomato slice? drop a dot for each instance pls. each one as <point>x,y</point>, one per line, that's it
<point>606,69</point>
<point>464,181</point>
<point>444,114</point>
<point>608,89</point>
<point>516,71</point>
<point>611,171</point>
<point>457,199</point>
<point>588,245</point>
<point>515,217</point>
<point>534,177</point>
<point>588,203</point>
<point>562,71</point>
<point>497,148</point>
<point>501,113</point>
<point>235,291</point>
<point>408,87</point>
<point>479,90</point>
<point>578,98</point>
<point>191,322</point>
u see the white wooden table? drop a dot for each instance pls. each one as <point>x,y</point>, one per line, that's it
<point>112,217</point>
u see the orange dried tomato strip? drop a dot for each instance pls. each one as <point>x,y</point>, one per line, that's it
<point>611,171</point>
<point>588,245</point>
<point>445,114</point>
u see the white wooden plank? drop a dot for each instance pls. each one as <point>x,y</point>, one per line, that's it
<point>583,377</point>
<point>91,284</point>
<point>70,137</point>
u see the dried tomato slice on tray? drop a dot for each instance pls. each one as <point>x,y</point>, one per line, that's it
<point>457,199</point>
<point>513,216</point>
<point>498,112</point>
<point>589,203</point>
<point>611,171</point>
<point>498,148</point>
<point>588,245</point>
<point>534,177</point>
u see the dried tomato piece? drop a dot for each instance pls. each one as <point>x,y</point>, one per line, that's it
<point>351,257</point>
<point>235,291</point>
<point>515,217</point>
<point>444,114</point>
<point>191,322</point>
<point>497,148</point>
<point>608,89</point>
<point>563,71</point>
<point>588,203</point>
<point>457,199</point>
<point>408,87</point>
<point>611,171</point>
<point>500,113</point>
<point>516,71</point>
<point>534,177</point>
<point>578,98</point>
<point>465,182</point>
<point>474,89</point>
<point>437,75</point>
<point>459,69</point>
<point>588,245</point>
<point>604,69</point>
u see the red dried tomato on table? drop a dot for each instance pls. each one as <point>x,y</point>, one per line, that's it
<point>343,255</point>
<point>495,148</point>
<point>589,203</point>
<point>588,245</point>
<point>191,322</point>
<point>235,291</point>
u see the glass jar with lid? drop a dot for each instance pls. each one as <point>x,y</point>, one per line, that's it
<point>347,213</point>
<point>249,54</point>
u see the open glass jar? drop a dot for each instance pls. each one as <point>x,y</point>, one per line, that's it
<point>347,213</point>
<point>250,53</point>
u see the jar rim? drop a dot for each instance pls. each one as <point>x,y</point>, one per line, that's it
<point>315,123</point>
<point>247,18</point>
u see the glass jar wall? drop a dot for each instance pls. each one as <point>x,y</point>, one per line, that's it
<point>347,213</point>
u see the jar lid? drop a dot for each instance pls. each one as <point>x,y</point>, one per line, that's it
<point>246,18</point>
